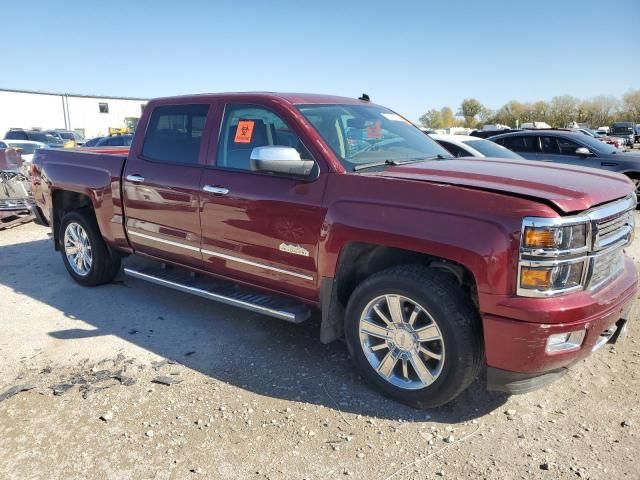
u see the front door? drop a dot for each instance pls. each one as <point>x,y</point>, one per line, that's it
<point>162,184</point>
<point>563,150</point>
<point>259,228</point>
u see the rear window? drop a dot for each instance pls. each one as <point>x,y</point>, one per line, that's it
<point>174,133</point>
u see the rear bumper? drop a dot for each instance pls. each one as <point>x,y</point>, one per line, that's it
<point>516,354</point>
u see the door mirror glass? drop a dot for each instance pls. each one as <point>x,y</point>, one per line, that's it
<point>280,160</point>
<point>583,151</point>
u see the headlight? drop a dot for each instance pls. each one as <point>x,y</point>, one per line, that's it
<point>552,256</point>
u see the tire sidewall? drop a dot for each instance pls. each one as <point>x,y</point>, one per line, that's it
<point>455,365</point>
<point>97,248</point>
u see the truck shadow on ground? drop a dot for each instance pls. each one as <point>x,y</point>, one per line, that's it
<point>251,351</point>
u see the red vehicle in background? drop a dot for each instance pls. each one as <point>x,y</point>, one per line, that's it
<point>430,267</point>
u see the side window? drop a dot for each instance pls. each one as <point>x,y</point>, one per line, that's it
<point>174,134</point>
<point>454,150</point>
<point>515,144</point>
<point>567,147</point>
<point>528,144</point>
<point>550,145</point>
<point>245,127</point>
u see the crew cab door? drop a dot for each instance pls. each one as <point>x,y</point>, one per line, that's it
<point>260,228</point>
<point>161,183</point>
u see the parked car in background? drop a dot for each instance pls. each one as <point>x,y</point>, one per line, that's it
<point>16,199</point>
<point>572,148</point>
<point>637,132</point>
<point>71,135</point>
<point>468,146</point>
<point>92,142</point>
<point>429,266</point>
<point>624,130</point>
<point>114,141</point>
<point>51,141</point>
<point>616,142</point>
<point>26,148</point>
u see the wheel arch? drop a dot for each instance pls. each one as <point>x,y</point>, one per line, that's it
<point>359,260</point>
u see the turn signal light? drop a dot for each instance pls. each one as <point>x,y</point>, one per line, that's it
<point>535,238</point>
<point>535,278</point>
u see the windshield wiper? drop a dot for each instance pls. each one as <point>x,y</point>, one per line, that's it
<point>364,166</point>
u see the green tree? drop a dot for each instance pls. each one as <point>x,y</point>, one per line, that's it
<point>431,119</point>
<point>469,108</point>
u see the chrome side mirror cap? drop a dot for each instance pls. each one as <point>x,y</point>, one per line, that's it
<point>280,160</point>
<point>583,151</point>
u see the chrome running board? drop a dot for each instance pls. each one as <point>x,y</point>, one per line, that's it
<point>223,292</point>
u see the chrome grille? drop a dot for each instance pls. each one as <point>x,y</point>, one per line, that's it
<point>14,204</point>
<point>605,267</point>
<point>613,229</point>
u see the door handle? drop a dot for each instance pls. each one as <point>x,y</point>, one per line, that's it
<point>135,178</point>
<point>215,189</point>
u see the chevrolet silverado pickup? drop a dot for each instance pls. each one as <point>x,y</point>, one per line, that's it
<point>429,267</point>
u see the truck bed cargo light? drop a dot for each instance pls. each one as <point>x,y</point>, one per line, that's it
<point>561,342</point>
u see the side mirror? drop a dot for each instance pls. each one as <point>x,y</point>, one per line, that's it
<point>583,151</point>
<point>280,160</point>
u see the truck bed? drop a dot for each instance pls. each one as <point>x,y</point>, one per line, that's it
<point>93,173</point>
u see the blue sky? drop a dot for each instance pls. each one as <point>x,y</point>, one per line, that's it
<point>410,56</point>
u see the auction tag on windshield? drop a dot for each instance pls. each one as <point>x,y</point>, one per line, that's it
<point>244,131</point>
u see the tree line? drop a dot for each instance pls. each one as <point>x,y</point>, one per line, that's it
<point>561,110</point>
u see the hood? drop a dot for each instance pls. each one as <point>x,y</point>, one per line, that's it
<point>568,188</point>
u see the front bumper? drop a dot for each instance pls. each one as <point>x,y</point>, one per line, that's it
<point>515,345</point>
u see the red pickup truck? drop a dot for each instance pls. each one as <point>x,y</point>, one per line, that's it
<point>428,266</point>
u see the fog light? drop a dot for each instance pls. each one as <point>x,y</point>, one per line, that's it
<point>560,342</point>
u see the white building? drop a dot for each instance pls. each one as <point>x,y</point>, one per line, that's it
<point>87,114</point>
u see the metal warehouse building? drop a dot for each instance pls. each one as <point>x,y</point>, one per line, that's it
<point>87,114</point>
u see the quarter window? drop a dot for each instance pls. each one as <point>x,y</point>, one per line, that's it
<point>175,133</point>
<point>524,144</point>
<point>246,127</point>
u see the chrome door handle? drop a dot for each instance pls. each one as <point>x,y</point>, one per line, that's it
<point>135,178</point>
<point>215,190</point>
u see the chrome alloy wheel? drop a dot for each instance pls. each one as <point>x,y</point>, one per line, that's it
<point>401,341</point>
<point>77,248</point>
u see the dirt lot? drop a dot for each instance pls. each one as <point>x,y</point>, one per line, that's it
<point>256,398</point>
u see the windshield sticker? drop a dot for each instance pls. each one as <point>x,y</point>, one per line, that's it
<point>375,130</point>
<point>394,117</point>
<point>244,131</point>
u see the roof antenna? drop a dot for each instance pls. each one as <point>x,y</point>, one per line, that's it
<point>364,98</point>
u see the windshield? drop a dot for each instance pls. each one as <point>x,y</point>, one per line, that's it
<point>595,145</point>
<point>27,148</point>
<point>490,149</point>
<point>362,134</point>
<point>622,130</point>
<point>46,138</point>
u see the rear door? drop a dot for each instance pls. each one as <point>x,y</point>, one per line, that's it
<point>259,228</point>
<point>162,183</point>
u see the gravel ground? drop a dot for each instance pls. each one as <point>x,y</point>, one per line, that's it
<point>131,380</point>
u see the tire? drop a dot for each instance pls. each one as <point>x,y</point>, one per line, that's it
<point>442,303</point>
<point>101,266</point>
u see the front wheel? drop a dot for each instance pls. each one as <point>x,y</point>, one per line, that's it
<point>84,252</point>
<point>414,334</point>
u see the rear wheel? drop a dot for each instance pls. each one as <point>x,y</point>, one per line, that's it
<point>414,334</point>
<point>84,252</point>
